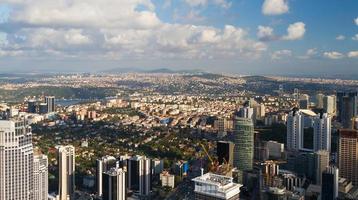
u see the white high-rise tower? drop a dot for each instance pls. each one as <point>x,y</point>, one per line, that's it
<point>295,128</point>
<point>322,132</point>
<point>66,165</point>
<point>16,160</point>
<point>40,177</point>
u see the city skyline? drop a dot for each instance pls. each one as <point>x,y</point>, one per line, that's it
<point>282,37</point>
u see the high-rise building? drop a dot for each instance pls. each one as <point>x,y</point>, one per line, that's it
<point>319,100</point>
<point>329,189</point>
<point>246,111</point>
<point>322,162</point>
<point>244,144</point>
<point>43,108</point>
<point>347,108</point>
<point>40,182</point>
<point>330,104</point>
<point>348,155</point>
<point>213,186</point>
<point>31,106</point>
<point>113,184</point>
<point>16,160</point>
<point>50,101</point>
<point>103,164</point>
<point>66,166</point>
<point>225,152</point>
<point>322,132</point>
<point>139,175</point>
<point>295,130</point>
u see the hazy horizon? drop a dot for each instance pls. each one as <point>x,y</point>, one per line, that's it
<point>268,37</point>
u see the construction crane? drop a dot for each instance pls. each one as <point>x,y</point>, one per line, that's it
<point>213,167</point>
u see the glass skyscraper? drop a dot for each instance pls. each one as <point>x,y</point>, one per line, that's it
<point>244,144</point>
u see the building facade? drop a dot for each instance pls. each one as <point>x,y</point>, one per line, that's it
<point>322,132</point>
<point>40,182</point>
<point>66,165</point>
<point>244,144</point>
<point>139,175</point>
<point>295,130</point>
<point>348,155</point>
<point>113,184</point>
<point>16,160</point>
<point>103,164</point>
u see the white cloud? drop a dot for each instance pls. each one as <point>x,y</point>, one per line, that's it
<point>277,55</point>
<point>295,31</point>
<point>356,21</point>
<point>194,3</point>
<point>275,7</point>
<point>112,28</point>
<point>355,37</point>
<point>309,53</point>
<point>333,55</point>
<point>222,3</point>
<point>353,54</point>
<point>265,33</point>
<point>340,37</point>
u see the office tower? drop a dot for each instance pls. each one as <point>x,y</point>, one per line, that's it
<point>103,164</point>
<point>259,111</point>
<point>319,100</point>
<point>158,166</point>
<point>66,165</point>
<point>330,104</point>
<point>244,144</point>
<point>246,111</point>
<point>329,184</point>
<point>295,128</point>
<point>139,175</point>
<point>303,104</point>
<point>347,108</point>
<point>348,155</point>
<point>43,109</point>
<point>31,106</point>
<point>113,184</point>
<point>40,177</point>
<point>322,162</point>
<point>213,186</point>
<point>225,152</point>
<point>322,132</point>
<point>50,101</point>
<point>16,160</point>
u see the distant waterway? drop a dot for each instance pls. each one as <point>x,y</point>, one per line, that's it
<point>70,102</point>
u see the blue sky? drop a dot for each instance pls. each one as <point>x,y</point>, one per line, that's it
<point>284,37</point>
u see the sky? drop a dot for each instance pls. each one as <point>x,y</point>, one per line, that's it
<point>257,37</point>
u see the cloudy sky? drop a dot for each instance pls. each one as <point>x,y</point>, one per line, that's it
<point>229,36</point>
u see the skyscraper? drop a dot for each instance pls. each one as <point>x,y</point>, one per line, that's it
<point>50,101</point>
<point>322,132</point>
<point>31,106</point>
<point>347,108</point>
<point>66,165</point>
<point>330,104</point>
<point>244,144</point>
<point>16,160</point>
<point>103,164</point>
<point>139,175</point>
<point>319,100</point>
<point>113,184</point>
<point>246,111</point>
<point>40,177</point>
<point>295,128</point>
<point>322,162</point>
<point>329,189</point>
<point>348,155</point>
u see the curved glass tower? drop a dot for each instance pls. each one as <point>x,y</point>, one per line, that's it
<point>244,144</point>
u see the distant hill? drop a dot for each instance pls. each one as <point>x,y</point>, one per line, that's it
<point>159,70</point>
